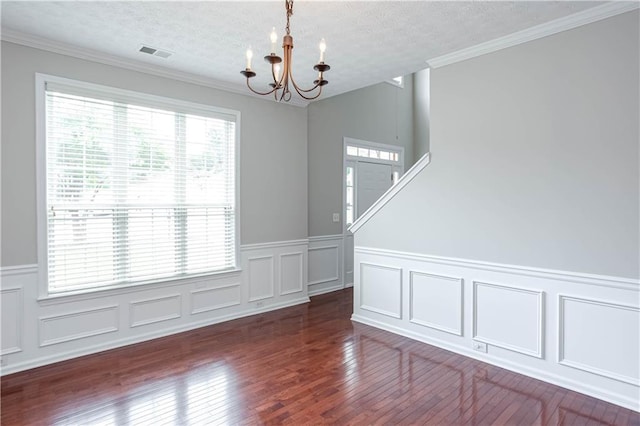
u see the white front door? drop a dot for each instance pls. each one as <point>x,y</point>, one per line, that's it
<point>373,180</point>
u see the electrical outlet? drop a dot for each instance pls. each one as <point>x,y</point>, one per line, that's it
<point>3,361</point>
<point>259,304</point>
<point>479,346</point>
<point>336,217</point>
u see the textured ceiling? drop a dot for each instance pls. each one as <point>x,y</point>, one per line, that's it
<point>368,41</point>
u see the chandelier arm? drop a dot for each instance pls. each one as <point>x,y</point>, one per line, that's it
<point>260,93</point>
<point>301,91</point>
<point>295,86</point>
<point>298,89</point>
<point>309,98</point>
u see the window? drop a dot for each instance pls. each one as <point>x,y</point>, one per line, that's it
<point>349,202</point>
<point>378,154</point>
<point>138,188</point>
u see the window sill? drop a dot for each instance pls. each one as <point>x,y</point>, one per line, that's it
<point>85,294</point>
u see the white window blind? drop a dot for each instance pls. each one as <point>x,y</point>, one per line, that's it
<point>135,191</point>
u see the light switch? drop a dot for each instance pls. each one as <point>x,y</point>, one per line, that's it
<point>336,217</point>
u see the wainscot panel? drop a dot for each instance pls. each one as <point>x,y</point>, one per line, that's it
<point>325,264</point>
<point>210,299</point>
<point>11,299</point>
<point>291,273</point>
<point>508,317</point>
<point>157,309</point>
<point>436,301</point>
<point>579,331</point>
<point>576,347</point>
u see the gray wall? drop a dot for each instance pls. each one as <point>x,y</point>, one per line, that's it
<point>382,113</point>
<point>534,158</point>
<point>273,157</point>
<point>421,113</point>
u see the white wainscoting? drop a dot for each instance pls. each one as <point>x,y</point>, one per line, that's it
<point>11,304</point>
<point>579,331</point>
<point>436,301</point>
<point>261,276</point>
<point>156,309</point>
<point>291,273</point>
<point>381,289</point>
<point>61,328</point>
<point>508,317</point>
<point>325,264</point>
<point>617,354</point>
<point>39,332</point>
<point>348,259</point>
<point>210,299</point>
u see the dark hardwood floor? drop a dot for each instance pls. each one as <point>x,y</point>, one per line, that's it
<point>303,365</point>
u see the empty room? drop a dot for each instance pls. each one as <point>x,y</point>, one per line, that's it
<point>418,212</point>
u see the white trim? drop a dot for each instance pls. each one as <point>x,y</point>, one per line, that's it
<point>397,315</point>
<point>325,290</point>
<point>276,244</point>
<point>300,271</point>
<point>391,192</point>
<point>271,278</point>
<point>457,280</point>
<point>8,271</point>
<point>132,305</point>
<point>360,143</point>
<point>325,238</point>
<point>337,276</point>
<point>584,17</point>
<point>575,277</point>
<point>41,43</point>
<point>539,352</point>
<point>138,338</point>
<point>43,320</point>
<point>113,291</point>
<point>578,386</point>
<point>218,306</point>
<point>393,82</point>
<point>560,333</point>
<point>18,323</point>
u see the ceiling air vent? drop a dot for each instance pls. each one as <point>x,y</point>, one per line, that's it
<point>155,52</point>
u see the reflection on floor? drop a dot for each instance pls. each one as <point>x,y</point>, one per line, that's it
<point>303,365</point>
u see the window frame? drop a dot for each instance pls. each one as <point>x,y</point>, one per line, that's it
<point>138,98</point>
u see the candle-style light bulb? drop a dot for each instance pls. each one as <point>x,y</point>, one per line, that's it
<point>323,47</point>
<point>249,56</point>
<point>274,39</point>
<point>276,68</point>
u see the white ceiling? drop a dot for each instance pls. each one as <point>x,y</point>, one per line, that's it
<point>368,41</point>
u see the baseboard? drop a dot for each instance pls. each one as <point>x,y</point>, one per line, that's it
<point>89,350</point>
<point>325,290</point>
<point>564,382</point>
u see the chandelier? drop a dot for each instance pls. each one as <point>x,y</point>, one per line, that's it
<point>280,86</point>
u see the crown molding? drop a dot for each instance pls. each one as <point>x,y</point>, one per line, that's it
<point>41,43</point>
<point>584,17</point>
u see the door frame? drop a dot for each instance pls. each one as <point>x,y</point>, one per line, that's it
<point>351,160</point>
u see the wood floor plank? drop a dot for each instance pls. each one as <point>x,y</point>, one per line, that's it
<point>303,365</point>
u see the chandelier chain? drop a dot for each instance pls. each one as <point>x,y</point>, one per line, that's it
<point>289,6</point>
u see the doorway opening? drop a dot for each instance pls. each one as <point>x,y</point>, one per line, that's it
<point>370,169</point>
